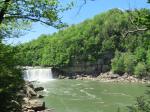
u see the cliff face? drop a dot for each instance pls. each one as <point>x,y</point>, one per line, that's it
<point>83,67</point>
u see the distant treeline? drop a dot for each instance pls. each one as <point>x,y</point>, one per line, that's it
<point>90,40</point>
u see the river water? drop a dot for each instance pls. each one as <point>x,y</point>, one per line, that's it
<point>90,96</point>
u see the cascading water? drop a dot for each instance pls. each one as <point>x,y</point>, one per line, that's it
<point>38,74</point>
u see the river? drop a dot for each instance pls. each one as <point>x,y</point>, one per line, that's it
<point>90,96</point>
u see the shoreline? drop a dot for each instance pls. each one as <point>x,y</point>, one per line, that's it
<point>109,77</point>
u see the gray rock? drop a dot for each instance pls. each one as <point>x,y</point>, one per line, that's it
<point>40,96</point>
<point>114,76</point>
<point>61,77</point>
<point>36,105</point>
<point>30,111</point>
<point>39,89</point>
<point>30,91</point>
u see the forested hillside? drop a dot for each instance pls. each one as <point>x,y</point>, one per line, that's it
<point>103,38</point>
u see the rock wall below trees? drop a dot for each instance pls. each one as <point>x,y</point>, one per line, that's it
<point>100,66</point>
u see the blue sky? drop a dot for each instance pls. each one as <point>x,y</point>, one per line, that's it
<point>73,17</point>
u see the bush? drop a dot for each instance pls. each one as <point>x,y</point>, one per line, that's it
<point>123,62</point>
<point>148,60</point>
<point>140,54</point>
<point>118,63</point>
<point>10,80</point>
<point>129,62</point>
<point>140,69</point>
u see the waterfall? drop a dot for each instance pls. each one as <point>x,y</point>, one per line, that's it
<point>38,74</point>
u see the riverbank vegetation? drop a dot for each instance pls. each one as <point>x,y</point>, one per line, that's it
<point>107,36</point>
<point>15,17</point>
<point>10,80</point>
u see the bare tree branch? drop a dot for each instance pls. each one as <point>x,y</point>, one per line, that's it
<point>134,31</point>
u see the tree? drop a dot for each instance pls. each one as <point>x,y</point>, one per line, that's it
<point>10,80</point>
<point>16,14</point>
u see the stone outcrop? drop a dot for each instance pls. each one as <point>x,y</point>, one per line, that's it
<point>31,99</point>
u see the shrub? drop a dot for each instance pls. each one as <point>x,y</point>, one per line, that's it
<point>118,63</point>
<point>140,54</point>
<point>148,59</point>
<point>10,80</point>
<point>129,62</point>
<point>140,69</point>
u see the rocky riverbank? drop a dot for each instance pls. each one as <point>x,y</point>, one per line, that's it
<point>109,77</point>
<point>32,100</point>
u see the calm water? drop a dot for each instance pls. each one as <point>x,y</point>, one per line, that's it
<point>90,96</point>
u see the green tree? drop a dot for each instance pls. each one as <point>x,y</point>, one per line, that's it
<point>10,80</point>
<point>129,62</point>
<point>140,69</point>
<point>17,15</point>
<point>118,63</point>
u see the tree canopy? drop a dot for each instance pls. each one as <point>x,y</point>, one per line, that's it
<point>16,14</point>
<point>90,41</point>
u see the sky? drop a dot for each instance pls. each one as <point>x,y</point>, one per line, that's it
<point>74,16</point>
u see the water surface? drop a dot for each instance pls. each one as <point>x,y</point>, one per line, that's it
<point>91,96</point>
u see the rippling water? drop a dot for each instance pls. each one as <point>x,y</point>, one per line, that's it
<point>90,96</point>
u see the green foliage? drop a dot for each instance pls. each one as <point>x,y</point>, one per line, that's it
<point>129,62</point>
<point>89,41</point>
<point>118,63</point>
<point>140,69</point>
<point>10,80</point>
<point>140,54</point>
<point>123,62</point>
<point>17,15</point>
<point>142,104</point>
<point>148,57</point>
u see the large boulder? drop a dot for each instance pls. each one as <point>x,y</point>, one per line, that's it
<point>114,76</point>
<point>38,89</point>
<point>36,105</point>
<point>30,91</point>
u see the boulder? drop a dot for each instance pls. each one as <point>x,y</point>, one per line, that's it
<point>61,77</point>
<point>26,100</point>
<point>39,89</point>
<point>47,110</point>
<point>36,105</point>
<point>30,111</point>
<point>114,76</point>
<point>30,91</point>
<point>39,96</point>
<point>29,84</point>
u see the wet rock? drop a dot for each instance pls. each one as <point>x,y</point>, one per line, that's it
<point>61,77</point>
<point>30,91</point>
<point>30,111</point>
<point>125,75</point>
<point>29,84</point>
<point>40,96</point>
<point>36,105</point>
<point>39,89</point>
<point>25,100</point>
<point>47,110</point>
